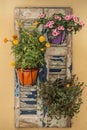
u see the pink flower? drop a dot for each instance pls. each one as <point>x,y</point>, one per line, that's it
<point>58,17</point>
<point>49,24</point>
<point>68,17</point>
<point>61,28</point>
<point>69,29</point>
<point>72,28</point>
<point>75,19</point>
<point>55,32</point>
<point>41,15</point>
<point>81,23</point>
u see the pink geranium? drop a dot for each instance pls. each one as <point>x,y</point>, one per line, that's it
<point>41,15</point>
<point>72,28</point>
<point>60,22</point>
<point>58,17</point>
<point>68,17</point>
<point>81,23</point>
<point>69,29</point>
<point>61,28</point>
<point>50,24</point>
<point>75,19</point>
<point>47,24</point>
<point>55,32</point>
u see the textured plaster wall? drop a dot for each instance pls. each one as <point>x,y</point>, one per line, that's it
<point>7,72</point>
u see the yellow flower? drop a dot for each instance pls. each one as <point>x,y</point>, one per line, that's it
<point>15,41</point>
<point>12,63</point>
<point>41,38</point>
<point>35,23</point>
<point>67,85</point>
<point>47,44</point>
<point>28,34</point>
<point>19,24</point>
<point>32,26</point>
<point>42,49</point>
<point>5,40</point>
<point>15,36</point>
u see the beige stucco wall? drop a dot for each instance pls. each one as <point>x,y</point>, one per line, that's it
<point>7,72</point>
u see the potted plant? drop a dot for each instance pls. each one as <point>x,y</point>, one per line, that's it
<point>28,49</point>
<point>62,98</point>
<point>58,26</point>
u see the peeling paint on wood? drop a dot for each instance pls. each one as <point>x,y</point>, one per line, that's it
<point>28,112</point>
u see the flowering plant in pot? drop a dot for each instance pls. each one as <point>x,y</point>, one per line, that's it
<point>28,49</point>
<point>58,26</point>
<point>62,97</point>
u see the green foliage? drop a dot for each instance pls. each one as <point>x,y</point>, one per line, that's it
<point>27,52</point>
<point>62,97</point>
<point>68,23</point>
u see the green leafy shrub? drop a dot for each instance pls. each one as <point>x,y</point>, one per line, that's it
<point>28,48</point>
<point>62,97</point>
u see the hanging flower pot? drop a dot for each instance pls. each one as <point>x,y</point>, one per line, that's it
<point>58,25</point>
<point>58,39</point>
<point>27,77</point>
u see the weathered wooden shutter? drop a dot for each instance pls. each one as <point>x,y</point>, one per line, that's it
<point>58,59</point>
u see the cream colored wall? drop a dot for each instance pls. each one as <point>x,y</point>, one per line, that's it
<point>7,73</point>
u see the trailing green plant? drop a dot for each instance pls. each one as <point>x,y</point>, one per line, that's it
<point>62,97</point>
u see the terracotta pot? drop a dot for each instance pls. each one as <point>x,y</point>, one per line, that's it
<point>27,77</point>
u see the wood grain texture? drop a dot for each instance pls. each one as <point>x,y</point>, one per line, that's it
<point>28,112</point>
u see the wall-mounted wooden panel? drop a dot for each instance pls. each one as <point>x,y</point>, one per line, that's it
<point>28,111</point>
